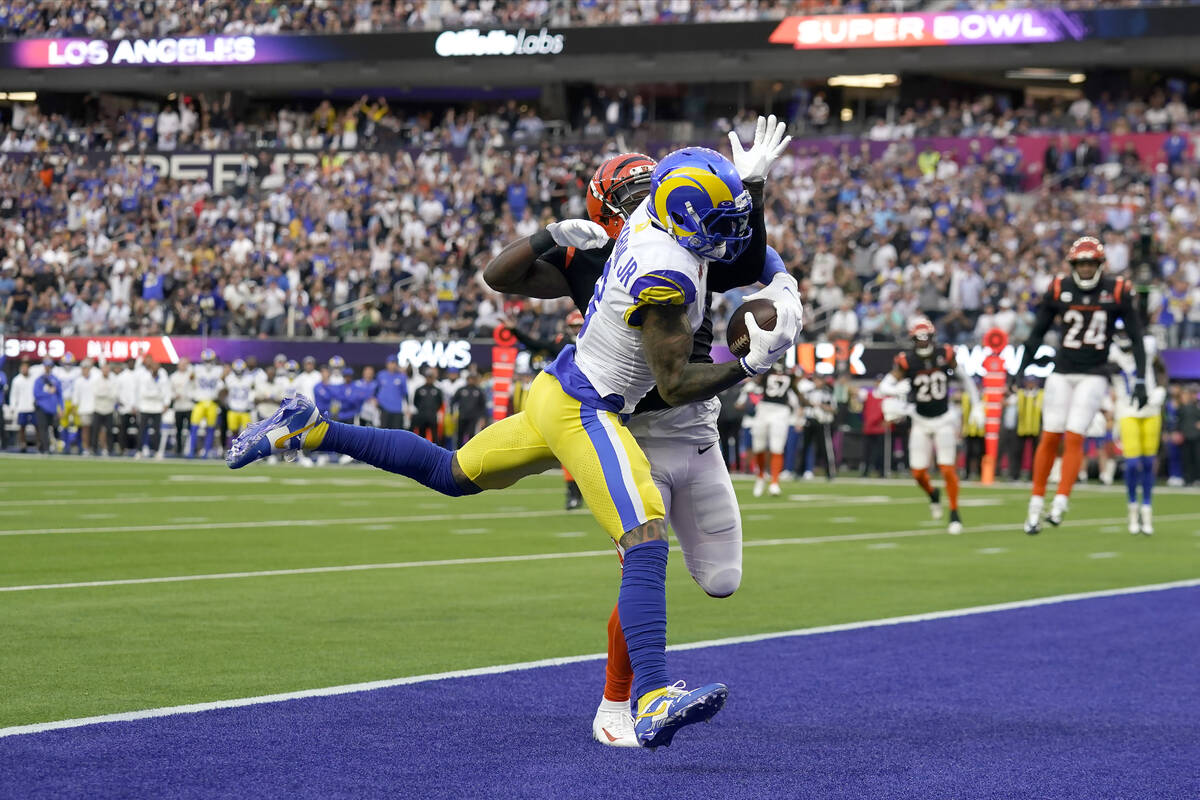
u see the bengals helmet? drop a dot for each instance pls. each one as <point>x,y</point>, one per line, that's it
<point>575,320</point>
<point>1087,251</point>
<point>617,188</point>
<point>923,334</point>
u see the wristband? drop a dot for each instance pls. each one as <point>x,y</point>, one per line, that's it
<point>542,242</point>
<point>746,368</point>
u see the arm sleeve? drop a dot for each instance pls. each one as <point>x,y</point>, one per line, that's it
<point>1045,318</point>
<point>747,268</point>
<point>663,287</point>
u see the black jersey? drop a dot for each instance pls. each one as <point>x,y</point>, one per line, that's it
<point>1086,320</point>
<point>470,401</point>
<point>778,388</point>
<point>929,379</point>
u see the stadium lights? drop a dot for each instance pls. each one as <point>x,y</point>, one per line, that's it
<point>1077,77</point>
<point>19,97</point>
<point>875,80</point>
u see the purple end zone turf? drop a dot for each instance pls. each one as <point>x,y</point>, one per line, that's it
<point>1090,699</point>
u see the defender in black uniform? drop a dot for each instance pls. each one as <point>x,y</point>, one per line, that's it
<point>928,370</point>
<point>1086,303</point>
<point>771,423</point>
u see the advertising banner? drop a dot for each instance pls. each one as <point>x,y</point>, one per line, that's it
<point>1023,26</point>
<point>853,31</point>
<point>811,358</point>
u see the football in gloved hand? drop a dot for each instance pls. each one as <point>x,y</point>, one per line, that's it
<point>736,334</point>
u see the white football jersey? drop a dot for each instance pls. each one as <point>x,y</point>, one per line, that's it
<point>647,267</point>
<point>66,379</point>
<point>206,382</point>
<point>1126,406</point>
<point>241,391</point>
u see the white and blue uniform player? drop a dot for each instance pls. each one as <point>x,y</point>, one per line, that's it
<point>207,382</point>
<point>690,474</point>
<point>1139,428</point>
<point>239,385</point>
<point>67,372</point>
<point>638,333</point>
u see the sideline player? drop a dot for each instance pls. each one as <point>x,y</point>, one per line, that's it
<point>206,387</point>
<point>772,421</point>
<point>692,477</point>
<point>638,332</point>
<point>240,398</point>
<point>1088,303</point>
<point>1139,429</point>
<point>926,370</point>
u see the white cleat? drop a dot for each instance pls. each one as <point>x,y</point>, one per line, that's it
<point>1147,521</point>
<point>808,474</point>
<point>1135,523</point>
<point>759,485</point>
<point>774,490</point>
<point>1033,518</point>
<point>614,729</point>
<point>935,504</point>
<point>1058,509</point>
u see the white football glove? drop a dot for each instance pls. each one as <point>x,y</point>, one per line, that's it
<point>783,290</point>
<point>769,144</point>
<point>767,346</point>
<point>977,418</point>
<point>580,233</point>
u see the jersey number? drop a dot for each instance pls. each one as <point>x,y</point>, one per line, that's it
<point>1095,335</point>
<point>930,386</point>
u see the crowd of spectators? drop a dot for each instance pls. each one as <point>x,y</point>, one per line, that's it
<point>224,121</point>
<point>391,243</point>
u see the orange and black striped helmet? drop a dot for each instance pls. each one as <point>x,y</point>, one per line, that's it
<point>619,185</point>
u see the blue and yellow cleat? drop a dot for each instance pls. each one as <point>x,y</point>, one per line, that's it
<point>284,430</point>
<point>674,708</point>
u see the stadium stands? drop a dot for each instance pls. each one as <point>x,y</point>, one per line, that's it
<point>389,241</point>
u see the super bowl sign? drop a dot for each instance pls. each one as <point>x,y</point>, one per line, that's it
<point>927,29</point>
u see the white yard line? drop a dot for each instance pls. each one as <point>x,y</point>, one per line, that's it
<point>341,521</point>
<point>454,562</point>
<point>352,688</point>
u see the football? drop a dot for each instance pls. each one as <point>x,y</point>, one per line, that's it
<point>736,334</point>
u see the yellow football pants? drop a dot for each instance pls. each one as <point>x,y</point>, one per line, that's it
<point>237,421</point>
<point>1140,436</point>
<point>205,412</point>
<point>609,467</point>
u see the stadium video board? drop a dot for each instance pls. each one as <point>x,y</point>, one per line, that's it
<point>847,31</point>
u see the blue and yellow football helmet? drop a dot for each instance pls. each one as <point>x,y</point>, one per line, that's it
<point>238,366</point>
<point>208,355</point>
<point>698,198</point>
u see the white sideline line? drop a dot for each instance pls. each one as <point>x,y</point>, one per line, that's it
<point>352,688</point>
<point>183,499</point>
<point>456,562</point>
<point>344,521</point>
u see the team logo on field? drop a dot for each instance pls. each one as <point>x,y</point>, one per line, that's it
<point>1066,297</point>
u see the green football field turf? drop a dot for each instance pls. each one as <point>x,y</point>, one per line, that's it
<point>538,582</point>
